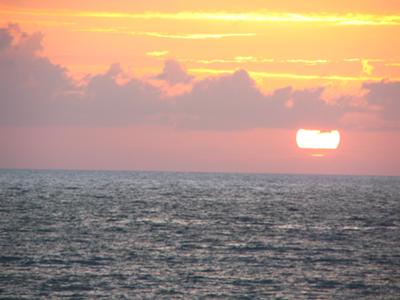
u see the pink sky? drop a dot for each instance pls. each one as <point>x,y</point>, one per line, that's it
<point>162,148</point>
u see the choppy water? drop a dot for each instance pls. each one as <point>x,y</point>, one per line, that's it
<point>180,235</point>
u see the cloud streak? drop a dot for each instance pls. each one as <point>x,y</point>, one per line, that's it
<point>166,35</point>
<point>260,74</point>
<point>255,17</point>
<point>157,53</point>
<point>193,36</point>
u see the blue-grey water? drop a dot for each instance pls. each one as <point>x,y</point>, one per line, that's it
<point>192,235</point>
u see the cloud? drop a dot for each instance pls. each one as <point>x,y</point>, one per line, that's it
<point>156,53</point>
<point>173,73</point>
<point>34,91</point>
<point>109,103</point>
<point>224,102</point>
<point>193,36</point>
<point>266,74</point>
<point>256,17</point>
<point>5,38</point>
<point>385,95</point>
<point>37,92</point>
<point>168,35</point>
<point>29,83</point>
<point>234,102</point>
<point>366,67</point>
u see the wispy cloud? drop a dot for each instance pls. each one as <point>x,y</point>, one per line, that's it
<point>394,64</point>
<point>352,59</point>
<point>236,59</point>
<point>260,17</point>
<point>365,62</point>
<point>253,59</point>
<point>307,61</point>
<point>257,74</point>
<point>193,36</point>
<point>159,53</point>
<point>44,23</point>
<point>167,35</point>
<point>366,67</point>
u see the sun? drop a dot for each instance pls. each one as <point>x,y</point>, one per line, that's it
<point>317,139</point>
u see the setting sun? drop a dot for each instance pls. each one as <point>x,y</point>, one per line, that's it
<point>317,139</point>
<point>197,149</point>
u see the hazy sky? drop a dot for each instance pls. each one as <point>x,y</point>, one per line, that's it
<point>199,85</point>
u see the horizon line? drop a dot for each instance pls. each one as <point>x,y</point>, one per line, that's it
<point>193,172</point>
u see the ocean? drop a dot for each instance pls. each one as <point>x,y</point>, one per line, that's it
<point>165,235</point>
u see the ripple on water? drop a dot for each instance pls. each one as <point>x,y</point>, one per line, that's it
<point>188,235</point>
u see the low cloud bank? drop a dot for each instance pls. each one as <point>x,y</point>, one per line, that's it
<point>36,92</point>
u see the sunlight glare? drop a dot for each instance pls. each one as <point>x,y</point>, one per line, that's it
<point>317,139</point>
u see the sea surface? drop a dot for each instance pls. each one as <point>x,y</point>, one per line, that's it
<point>154,235</point>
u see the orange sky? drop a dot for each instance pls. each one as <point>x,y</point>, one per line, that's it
<point>331,42</point>
<point>337,46</point>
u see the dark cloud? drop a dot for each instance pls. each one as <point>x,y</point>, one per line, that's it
<point>29,84</point>
<point>173,73</point>
<point>110,103</point>
<point>5,38</point>
<point>234,102</point>
<point>227,102</point>
<point>386,96</point>
<point>34,91</point>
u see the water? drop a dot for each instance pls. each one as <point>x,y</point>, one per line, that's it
<point>188,235</point>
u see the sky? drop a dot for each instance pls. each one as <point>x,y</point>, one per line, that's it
<point>214,86</point>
